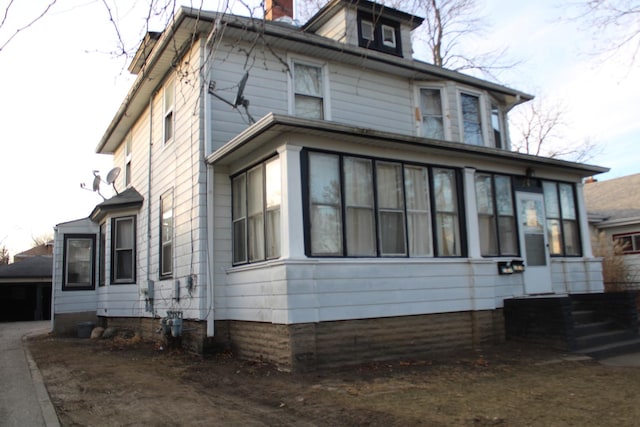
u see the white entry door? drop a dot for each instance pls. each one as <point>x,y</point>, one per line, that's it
<point>533,243</point>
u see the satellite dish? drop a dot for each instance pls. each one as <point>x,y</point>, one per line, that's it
<point>239,99</point>
<point>112,175</point>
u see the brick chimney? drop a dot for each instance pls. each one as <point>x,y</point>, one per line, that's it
<point>275,9</point>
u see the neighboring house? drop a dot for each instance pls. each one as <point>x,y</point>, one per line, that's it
<point>613,208</point>
<point>373,209</point>
<point>25,287</point>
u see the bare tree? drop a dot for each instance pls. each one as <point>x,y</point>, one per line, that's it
<point>540,129</point>
<point>18,27</point>
<point>41,239</point>
<point>4,255</point>
<point>614,24</point>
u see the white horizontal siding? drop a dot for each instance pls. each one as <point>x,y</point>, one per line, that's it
<point>576,275</point>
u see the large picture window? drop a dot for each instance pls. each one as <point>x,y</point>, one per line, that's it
<point>496,215</point>
<point>123,250</point>
<point>363,207</point>
<point>256,198</point>
<point>79,261</point>
<point>563,233</point>
<point>166,234</point>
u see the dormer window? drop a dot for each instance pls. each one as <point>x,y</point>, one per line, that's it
<point>379,34</point>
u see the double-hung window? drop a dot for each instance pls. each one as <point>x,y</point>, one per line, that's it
<point>256,198</point>
<point>123,250</point>
<point>127,161</point>
<point>563,233</point>
<point>166,234</point>
<point>168,103</point>
<point>497,121</point>
<point>496,215</point>
<point>363,207</point>
<point>79,250</point>
<point>471,114</point>
<point>102,257</point>
<point>431,111</point>
<point>627,243</point>
<point>308,88</point>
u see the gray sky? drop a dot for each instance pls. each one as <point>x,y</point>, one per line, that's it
<point>61,87</point>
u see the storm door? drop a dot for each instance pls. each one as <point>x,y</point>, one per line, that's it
<point>533,243</point>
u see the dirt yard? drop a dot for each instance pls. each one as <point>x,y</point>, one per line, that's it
<point>120,382</point>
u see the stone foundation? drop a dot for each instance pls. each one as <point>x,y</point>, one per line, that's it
<point>309,346</point>
<point>67,323</point>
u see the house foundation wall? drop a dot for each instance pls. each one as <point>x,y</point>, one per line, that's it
<point>308,346</point>
<point>67,323</point>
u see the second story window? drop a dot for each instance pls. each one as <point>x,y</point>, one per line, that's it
<point>431,110</point>
<point>308,91</point>
<point>497,127</point>
<point>471,116</point>
<point>168,110</point>
<point>127,161</point>
<point>166,234</point>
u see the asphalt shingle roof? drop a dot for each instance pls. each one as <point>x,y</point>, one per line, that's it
<point>617,198</point>
<point>30,268</point>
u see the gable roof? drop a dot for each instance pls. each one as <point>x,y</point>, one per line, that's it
<point>614,199</point>
<point>37,268</point>
<point>190,24</point>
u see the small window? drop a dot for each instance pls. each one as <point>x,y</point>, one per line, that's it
<point>169,119</point>
<point>496,126</point>
<point>471,119</point>
<point>366,30</point>
<point>389,36</point>
<point>627,243</point>
<point>79,262</point>
<point>123,250</point>
<point>166,234</point>
<point>127,161</point>
<point>432,117</point>
<point>308,91</point>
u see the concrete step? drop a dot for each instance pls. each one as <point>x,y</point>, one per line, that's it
<point>583,316</point>
<point>603,338</point>
<point>584,329</point>
<point>612,349</point>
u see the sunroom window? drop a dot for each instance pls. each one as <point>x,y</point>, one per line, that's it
<point>364,207</point>
<point>496,215</point>
<point>256,199</point>
<point>563,233</point>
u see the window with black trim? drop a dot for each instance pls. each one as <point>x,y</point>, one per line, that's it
<point>496,215</point>
<point>628,243</point>
<point>102,263</point>
<point>123,250</point>
<point>563,232</point>
<point>364,207</point>
<point>379,34</point>
<point>79,262</point>
<point>166,234</point>
<point>256,198</point>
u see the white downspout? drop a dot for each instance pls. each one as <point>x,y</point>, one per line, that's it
<point>210,217</point>
<point>148,296</point>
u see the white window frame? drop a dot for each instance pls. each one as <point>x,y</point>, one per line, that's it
<point>168,110</point>
<point>446,123</point>
<point>365,23</point>
<point>483,115</point>
<point>326,102</point>
<point>116,247</point>
<point>167,210</point>
<point>391,43</point>
<point>128,148</point>
<point>502,121</point>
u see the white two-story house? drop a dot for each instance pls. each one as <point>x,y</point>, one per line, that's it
<point>312,195</point>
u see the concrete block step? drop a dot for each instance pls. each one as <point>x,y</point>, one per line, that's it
<point>583,316</point>
<point>612,349</point>
<point>583,329</point>
<point>603,338</point>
